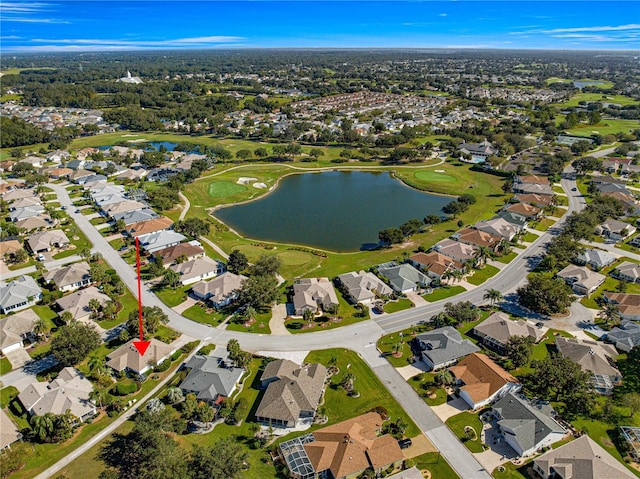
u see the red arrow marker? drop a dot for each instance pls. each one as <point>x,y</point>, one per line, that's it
<point>141,345</point>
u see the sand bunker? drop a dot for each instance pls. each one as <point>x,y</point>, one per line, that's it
<point>260,186</point>
<point>245,180</point>
<point>438,171</point>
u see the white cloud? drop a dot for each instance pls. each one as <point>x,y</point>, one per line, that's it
<point>142,43</point>
<point>9,7</point>
<point>442,15</point>
<point>35,20</point>
<point>630,26</point>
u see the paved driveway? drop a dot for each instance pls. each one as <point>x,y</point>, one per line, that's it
<point>450,409</point>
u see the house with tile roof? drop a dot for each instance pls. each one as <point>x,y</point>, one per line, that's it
<point>219,291</point>
<point>533,199</point>
<point>77,303</point>
<point>404,278</point>
<point>198,269</point>
<point>18,193</point>
<point>442,347</point>
<point>189,251</point>
<point>525,211</point>
<point>128,358</point>
<point>435,264</point>
<point>477,238</point>
<point>343,450</point>
<point>480,381</point>
<point>150,226</point>
<point>210,378</point>
<point>69,278</point>
<point>69,391</point>
<point>363,286</point>
<point>15,328</point>
<point>35,223</point>
<point>9,247</point>
<point>582,458</point>
<point>581,279</point>
<point>313,294</point>
<point>47,241</point>
<point>292,393</point>
<point>594,357</point>
<point>497,330</point>
<point>527,426</point>
<point>23,292</point>
<point>533,189</point>
<point>123,207</point>
<point>628,304</point>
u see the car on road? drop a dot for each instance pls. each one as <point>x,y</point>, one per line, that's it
<point>41,257</point>
<point>63,207</point>
<point>539,324</point>
<point>574,189</point>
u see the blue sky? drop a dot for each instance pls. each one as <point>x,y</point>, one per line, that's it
<point>69,25</point>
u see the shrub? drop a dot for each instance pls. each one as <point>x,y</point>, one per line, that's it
<point>163,366</point>
<point>124,389</point>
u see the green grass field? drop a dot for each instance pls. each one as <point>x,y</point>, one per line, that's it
<point>428,175</point>
<point>458,423</point>
<point>619,99</point>
<point>222,189</point>
<point>481,275</point>
<point>605,127</point>
<point>443,292</point>
<point>399,305</point>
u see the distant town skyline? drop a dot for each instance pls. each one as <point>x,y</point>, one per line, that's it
<point>70,26</point>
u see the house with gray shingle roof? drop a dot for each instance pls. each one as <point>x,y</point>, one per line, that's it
<point>580,459</point>
<point>527,426</point>
<point>594,357</point>
<point>128,358</point>
<point>47,240</point>
<point>615,230</point>
<point>15,328</point>
<point>363,287</point>
<point>136,216</point>
<point>442,347</point>
<point>498,227</point>
<point>628,271</point>
<point>497,330</point>
<point>625,337</point>
<point>581,279</point>
<point>220,291</point>
<point>198,269</point>
<point>403,278</point>
<point>158,240</point>
<point>18,294</point>
<point>9,432</point>
<point>69,278</point>
<point>77,303</point>
<point>69,391</point>
<point>26,212</point>
<point>310,294</point>
<point>210,378</point>
<point>292,392</point>
<point>596,258</point>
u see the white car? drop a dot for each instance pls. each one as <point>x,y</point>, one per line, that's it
<point>41,257</point>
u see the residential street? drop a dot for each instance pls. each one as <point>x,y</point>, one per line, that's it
<point>360,337</point>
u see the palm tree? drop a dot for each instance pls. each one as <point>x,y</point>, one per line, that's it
<point>97,396</point>
<point>347,382</point>
<point>41,328</point>
<point>307,316</point>
<point>481,255</point>
<point>97,366</point>
<point>174,395</point>
<point>610,313</point>
<point>457,275</point>
<point>493,295</point>
<point>42,426</point>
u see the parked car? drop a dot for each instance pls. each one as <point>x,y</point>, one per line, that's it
<point>405,443</point>
<point>41,257</point>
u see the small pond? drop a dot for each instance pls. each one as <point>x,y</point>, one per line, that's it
<point>336,211</point>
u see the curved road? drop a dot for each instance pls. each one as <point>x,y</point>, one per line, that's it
<point>361,337</point>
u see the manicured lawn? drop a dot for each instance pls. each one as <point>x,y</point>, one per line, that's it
<point>543,225</point>
<point>387,344</point>
<point>481,275</point>
<point>222,189</point>
<point>78,240</point>
<point>98,221</point>
<point>399,305</point>
<point>430,175</point>
<point>204,315</point>
<point>5,366</point>
<point>436,465</point>
<point>458,423</point>
<point>166,334</point>
<point>173,297</point>
<point>529,237</point>
<point>619,99</point>
<point>443,292</point>
<point>605,127</point>
<point>261,325</point>
<point>129,303</point>
<point>507,258</point>
<point>425,386</point>
<point>339,406</point>
<point>7,394</point>
<point>46,313</point>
